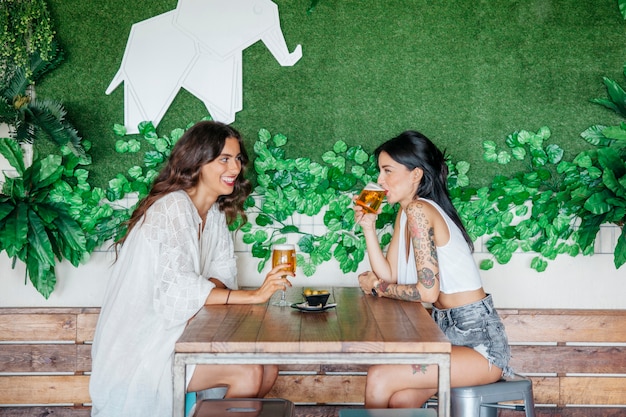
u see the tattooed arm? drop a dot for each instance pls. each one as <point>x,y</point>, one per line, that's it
<point>421,220</point>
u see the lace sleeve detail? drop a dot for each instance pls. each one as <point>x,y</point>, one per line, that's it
<point>179,290</point>
<point>222,262</point>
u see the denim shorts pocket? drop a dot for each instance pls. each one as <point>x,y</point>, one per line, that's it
<point>468,326</point>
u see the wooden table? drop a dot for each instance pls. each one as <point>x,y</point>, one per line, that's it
<point>361,330</point>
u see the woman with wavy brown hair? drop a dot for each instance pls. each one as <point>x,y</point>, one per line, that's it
<point>176,256</point>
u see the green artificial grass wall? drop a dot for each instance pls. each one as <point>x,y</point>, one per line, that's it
<point>461,72</point>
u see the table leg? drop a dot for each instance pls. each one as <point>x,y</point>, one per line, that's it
<point>444,387</point>
<point>178,375</point>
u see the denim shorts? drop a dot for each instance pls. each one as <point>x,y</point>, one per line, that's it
<point>479,327</point>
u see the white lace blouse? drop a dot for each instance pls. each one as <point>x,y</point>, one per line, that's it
<point>159,281</point>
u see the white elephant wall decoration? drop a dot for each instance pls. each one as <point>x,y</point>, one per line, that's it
<point>202,43</point>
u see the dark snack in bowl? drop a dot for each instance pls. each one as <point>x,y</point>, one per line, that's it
<point>316,298</point>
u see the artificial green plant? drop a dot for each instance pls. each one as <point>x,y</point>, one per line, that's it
<point>25,29</point>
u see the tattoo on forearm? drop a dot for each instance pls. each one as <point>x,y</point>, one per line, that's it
<point>427,277</point>
<point>400,292</point>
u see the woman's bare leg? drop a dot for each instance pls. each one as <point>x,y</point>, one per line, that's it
<point>406,386</point>
<point>243,381</point>
<point>270,373</point>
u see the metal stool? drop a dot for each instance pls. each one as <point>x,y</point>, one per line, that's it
<point>483,400</point>
<point>387,412</point>
<point>238,407</point>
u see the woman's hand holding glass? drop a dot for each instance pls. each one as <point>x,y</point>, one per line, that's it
<point>363,218</point>
<point>275,280</point>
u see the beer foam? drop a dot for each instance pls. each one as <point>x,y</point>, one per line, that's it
<point>284,246</point>
<point>373,187</point>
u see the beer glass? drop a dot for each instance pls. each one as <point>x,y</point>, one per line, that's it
<point>371,197</point>
<point>284,254</point>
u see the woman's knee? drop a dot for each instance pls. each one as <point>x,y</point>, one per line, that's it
<point>252,379</point>
<point>377,379</point>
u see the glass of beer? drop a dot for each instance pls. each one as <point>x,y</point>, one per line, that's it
<point>371,197</point>
<point>284,254</point>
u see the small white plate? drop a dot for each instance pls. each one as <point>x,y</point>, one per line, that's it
<point>306,307</point>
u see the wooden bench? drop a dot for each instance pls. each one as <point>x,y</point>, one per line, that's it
<point>575,358</point>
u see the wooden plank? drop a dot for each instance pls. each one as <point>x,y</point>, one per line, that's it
<point>324,411</point>
<point>45,411</point>
<point>347,369</point>
<point>573,327</point>
<point>319,389</point>
<point>86,327</point>
<point>55,389</point>
<point>37,327</point>
<point>546,390</point>
<point>83,358</point>
<point>301,368</point>
<point>336,389</point>
<point>333,411</point>
<point>561,326</point>
<point>568,359</point>
<point>593,390</point>
<point>38,358</point>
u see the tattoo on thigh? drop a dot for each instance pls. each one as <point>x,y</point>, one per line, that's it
<point>419,368</point>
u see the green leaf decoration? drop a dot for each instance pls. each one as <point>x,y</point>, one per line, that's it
<point>597,203</point>
<point>14,233</point>
<point>42,277</point>
<point>40,246</point>
<point>555,153</point>
<point>12,152</point>
<point>614,132</point>
<point>121,146</point>
<point>503,157</point>
<point>595,136</point>
<point>119,129</point>
<point>280,140</point>
<point>617,96</point>
<point>340,147</point>
<point>486,264</point>
<point>622,8</point>
<point>538,264</point>
<point>620,249</point>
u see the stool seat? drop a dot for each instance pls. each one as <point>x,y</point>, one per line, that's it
<point>387,412</point>
<point>482,400</point>
<point>244,407</point>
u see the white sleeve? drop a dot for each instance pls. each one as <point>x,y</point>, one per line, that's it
<point>221,262</point>
<point>179,290</point>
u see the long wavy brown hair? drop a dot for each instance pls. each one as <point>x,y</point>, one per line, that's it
<point>199,145</point>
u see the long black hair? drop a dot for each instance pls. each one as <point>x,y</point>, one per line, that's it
<point>414,150</point>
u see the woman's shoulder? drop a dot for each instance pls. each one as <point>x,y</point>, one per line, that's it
<point>174,203</point>
<point>423,207</point>
<point>174,197</point>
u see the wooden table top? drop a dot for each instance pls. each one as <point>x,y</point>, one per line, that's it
<point>359,323</point>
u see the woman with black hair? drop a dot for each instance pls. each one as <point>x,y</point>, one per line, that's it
<point>176,256</point>
<point>429,260</point>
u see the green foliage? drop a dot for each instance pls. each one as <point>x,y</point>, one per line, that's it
<point>32,118</point>
<point>39,208</point>
<point>288,188</point>
<point>553,206</point>
<point>550,207</point>
<point>622,7</point>
<point>25,29</point>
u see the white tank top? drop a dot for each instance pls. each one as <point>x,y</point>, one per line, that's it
<point>457,270</point>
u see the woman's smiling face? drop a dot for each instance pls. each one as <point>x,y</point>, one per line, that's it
<point>219,175</point>
<point>400,183</point>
